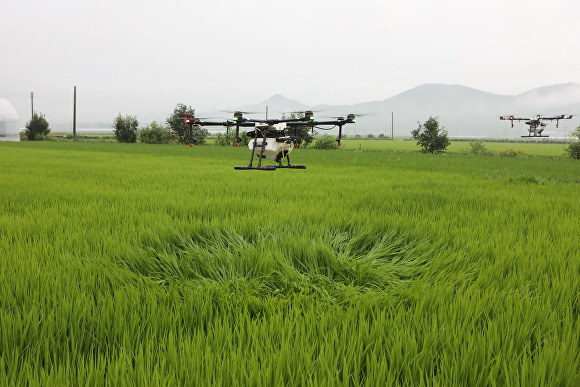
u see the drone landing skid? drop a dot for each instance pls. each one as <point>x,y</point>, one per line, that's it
<point>271,167</point>
<point>291,166</point>
<point>280,148</point>
<point>538,135</point>
<point>264,168</point>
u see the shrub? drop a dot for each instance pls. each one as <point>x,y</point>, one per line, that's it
<point>512,153</point>
<point>478,148</point>
<point>573,150</point>
<point>126,128</point>
<point>45,137</point>
<point>156,134</point>
<point>228,139</point>
<point>326,142</point>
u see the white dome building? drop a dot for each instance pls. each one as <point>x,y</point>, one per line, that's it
<point>9,130</point>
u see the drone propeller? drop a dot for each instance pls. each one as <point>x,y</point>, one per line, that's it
<point>355,114</point>
<point>307,111</point>
<point>238,111</point>
<point>192,117</point>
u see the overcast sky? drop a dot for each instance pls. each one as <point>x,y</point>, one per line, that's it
<point>142,57</point>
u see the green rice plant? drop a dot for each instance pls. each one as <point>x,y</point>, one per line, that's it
<point>544,149</point>
<point>161,265</point>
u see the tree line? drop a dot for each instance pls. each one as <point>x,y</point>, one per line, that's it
<point>430,136</point>
<point>176,130</point>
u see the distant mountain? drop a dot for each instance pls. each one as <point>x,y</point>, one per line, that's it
<point>550,97</point>
<point>464,111</point>
<point>276,104</point>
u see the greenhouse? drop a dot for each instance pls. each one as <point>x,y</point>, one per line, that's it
<point>8,122</point>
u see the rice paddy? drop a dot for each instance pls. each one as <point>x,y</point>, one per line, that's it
<point>536,147</point>
<point>134,264</point>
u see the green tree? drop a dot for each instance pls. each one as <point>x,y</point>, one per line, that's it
<point>573,150</point>
<point>304,133</point>
<point>37,127</point>
<point>156,133</point>
<point>185,134</point>
<point>431,137</point>
<point>126,128</point>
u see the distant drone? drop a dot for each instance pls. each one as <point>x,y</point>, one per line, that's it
<point>536,126</point>
<point>271,137</point>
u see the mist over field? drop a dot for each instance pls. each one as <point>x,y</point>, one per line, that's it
<point>464,111</point>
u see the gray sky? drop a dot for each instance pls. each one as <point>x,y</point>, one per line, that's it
<point>142,57</point>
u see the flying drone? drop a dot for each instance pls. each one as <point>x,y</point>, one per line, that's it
<point>271,138</point>
<point>535,125</point>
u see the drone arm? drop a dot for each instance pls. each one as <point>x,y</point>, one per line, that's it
<point>335,122</point>
<point>214,123</point>
<point>297,124</point>
<point>290,120</point>
<point>339,122</point>
<point>512,119</point>
<point>557,118</point>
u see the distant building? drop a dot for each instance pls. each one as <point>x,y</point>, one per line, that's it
<point>8,122</point>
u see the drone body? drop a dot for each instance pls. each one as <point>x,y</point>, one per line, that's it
<point>535,125</point>
<point>276,143</point>
<point>271,138</point>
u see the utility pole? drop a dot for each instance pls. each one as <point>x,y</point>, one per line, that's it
<point>392,125</point>
<point>32,104</point>
<point>75,114</point>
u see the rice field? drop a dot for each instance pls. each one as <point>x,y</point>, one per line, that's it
<point>134,264</point>
<point>529,148</point>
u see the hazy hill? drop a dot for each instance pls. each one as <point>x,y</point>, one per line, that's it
<point>462,110</point>
<point>550,97</point>
<point>276,105</point>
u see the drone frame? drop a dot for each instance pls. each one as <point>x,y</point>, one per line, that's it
<point>262,131</point>
<point>535,125</point>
